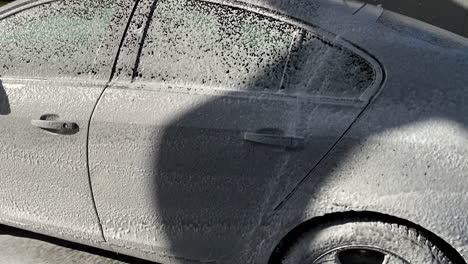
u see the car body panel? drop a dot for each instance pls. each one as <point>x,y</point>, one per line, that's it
<point>44,176</point>
<point>169,164</point>
<point>55,65</point>
<point>324,191</point>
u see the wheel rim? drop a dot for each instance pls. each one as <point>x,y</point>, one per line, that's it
<point>360,255</point>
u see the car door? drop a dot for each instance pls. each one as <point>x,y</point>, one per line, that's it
<point>56,58</point>
<point>226,110</point>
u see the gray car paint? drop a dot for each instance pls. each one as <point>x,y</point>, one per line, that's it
<point>405,155</point>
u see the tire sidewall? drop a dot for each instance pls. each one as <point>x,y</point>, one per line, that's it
<point>390,238</point>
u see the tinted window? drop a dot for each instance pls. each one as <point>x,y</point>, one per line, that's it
<point>205,44</point>
<point>63,39</point>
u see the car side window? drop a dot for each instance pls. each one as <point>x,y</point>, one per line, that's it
<point>76,38</point>
<point>322,68</point>
<point>205,44</point>
<point>193,43</point>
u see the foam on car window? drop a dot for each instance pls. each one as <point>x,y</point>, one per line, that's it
<point>63,39</point>
<point>318,67</point>
<point>197,43</point>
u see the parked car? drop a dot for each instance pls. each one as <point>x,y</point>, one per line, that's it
<point>265,131</point>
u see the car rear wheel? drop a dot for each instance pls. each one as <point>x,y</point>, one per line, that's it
<point>363,242</point>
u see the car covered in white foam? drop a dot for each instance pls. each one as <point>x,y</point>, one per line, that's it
<point>264,131</point>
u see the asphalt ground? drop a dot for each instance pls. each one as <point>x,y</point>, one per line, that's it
<point>23,247</point>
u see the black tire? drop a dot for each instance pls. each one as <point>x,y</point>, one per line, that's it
<point>363,242</point>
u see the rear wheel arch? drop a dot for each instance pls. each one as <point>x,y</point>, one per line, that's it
<point>295,234</point>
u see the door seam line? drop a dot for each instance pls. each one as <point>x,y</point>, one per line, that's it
<point>113,70</point>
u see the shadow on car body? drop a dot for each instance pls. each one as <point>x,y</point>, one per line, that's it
<point>198,179</point>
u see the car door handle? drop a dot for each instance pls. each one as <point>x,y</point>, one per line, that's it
<point>274,140</point>
<point>55,126</point>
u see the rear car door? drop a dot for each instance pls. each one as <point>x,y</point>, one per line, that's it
<point>226,110</point>
<point>56,58</point>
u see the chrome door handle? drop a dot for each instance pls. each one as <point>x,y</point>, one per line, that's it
<point>55,126</point>
<point>274,140</point>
